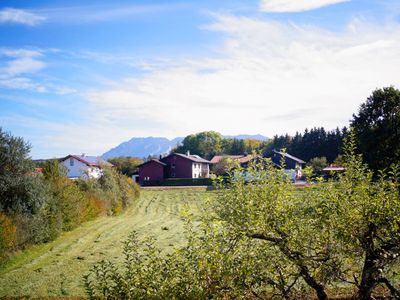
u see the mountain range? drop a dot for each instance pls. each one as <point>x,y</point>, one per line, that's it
<point>145,146</point>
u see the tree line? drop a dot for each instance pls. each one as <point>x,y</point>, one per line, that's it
<point>376,127</point>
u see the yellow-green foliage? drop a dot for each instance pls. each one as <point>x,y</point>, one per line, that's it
<point>7,234</point>
<point>65,204</point>
<point>263,237</point>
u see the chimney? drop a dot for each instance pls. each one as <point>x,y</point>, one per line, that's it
<point>188,153</point>
<point>160,156</point>
<point>83,154</point>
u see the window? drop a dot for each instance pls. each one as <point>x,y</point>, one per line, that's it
<point>173,166</point>
<point>71,162</point>
<point>173,175</point>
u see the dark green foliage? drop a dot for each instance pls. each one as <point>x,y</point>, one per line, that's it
<point>318,163</point>
<point>126,165</point>
<point>17,185</point>
<point>205,144</point>
<point>210,143</point>
<point>316,142</point>
<point>377,128</point>
<point>263,238</point>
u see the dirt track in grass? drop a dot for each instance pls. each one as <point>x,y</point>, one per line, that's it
<point>56,268</point>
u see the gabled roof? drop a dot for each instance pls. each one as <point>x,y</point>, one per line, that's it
<point>153,160</point>
<point>240,158</point>
<point>91,161</point>
<point>290,156</point>
<point>194,158</point>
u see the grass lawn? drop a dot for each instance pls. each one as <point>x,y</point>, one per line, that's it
<point>56,268</point>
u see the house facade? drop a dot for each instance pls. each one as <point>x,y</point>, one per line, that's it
<point>152,171</point>
<point>175,165</point>
<point>83,166</point>
<point>293,165</point>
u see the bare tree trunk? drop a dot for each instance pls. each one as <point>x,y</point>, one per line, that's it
<point>294,257</point>
<point>319,288</point>
<point>370,273</point>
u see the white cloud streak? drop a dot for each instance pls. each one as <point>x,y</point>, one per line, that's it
<point>266,77</point>
<point>288,6</point>
<point>20,16</point>
<point>264,70</point>
<point>18,64</point>
<point>103,13</point>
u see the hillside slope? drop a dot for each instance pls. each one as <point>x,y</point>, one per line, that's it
<point>56,268</point>
<point>144,146</point>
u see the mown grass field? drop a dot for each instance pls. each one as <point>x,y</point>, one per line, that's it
<point>56,268</point>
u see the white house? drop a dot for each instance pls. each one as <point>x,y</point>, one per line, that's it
<point>83,166</point>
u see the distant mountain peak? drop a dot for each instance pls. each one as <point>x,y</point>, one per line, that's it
<point>142,147</point>
<point>155,146</point>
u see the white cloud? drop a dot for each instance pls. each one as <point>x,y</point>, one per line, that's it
<point>20,16</point>
<point>18,64</point>
<point>106,12</point>
<point>19,69</point>
<point>23,65</point>
<point>266,78</point>
<point>22,61</point>
<point>21,83</point>
<point>283,6</point>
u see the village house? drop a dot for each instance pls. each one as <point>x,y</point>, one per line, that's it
<point>83,166</point>
<point>243,160</point>
<point>293,165</point>
<point>175,165</point>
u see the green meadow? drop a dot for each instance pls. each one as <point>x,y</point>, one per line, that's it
<point>55,269</point>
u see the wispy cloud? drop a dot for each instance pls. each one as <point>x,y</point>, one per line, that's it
<point>264,76</point>
<point>103,13</point>
<point>19,63</point>
<point>263,70</point>
<point>20,16</point>
<point>283,6</point>
<point>20,69</point>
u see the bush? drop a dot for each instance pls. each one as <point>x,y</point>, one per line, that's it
<point>263,238</point>
<point>36,208</point>
<point>7,235</point>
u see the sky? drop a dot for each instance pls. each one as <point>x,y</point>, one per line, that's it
<point>84,76</point>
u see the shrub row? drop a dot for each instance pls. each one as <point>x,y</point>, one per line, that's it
<point>51,203</point>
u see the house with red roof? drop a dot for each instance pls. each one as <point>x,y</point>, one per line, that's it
<point>243,160</point>
<point>83,166</point>
<point>175,165</point>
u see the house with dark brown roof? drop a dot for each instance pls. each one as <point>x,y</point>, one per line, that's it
<point>175,165</point>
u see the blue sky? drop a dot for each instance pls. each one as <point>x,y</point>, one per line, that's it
<point>84,76</point>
